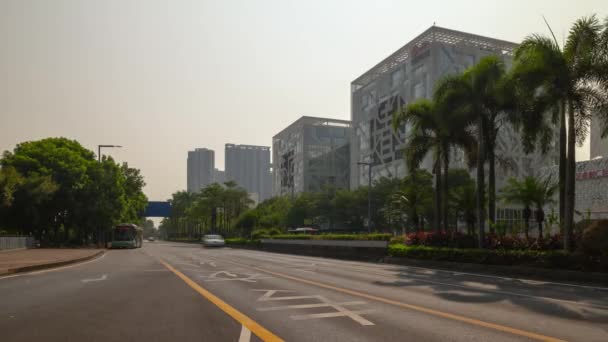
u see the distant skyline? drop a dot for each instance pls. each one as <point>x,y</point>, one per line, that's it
<point>161,78</point>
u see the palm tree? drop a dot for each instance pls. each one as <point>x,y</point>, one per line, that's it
<point>413,197</point>
<point>435,128</point>
<point>482,93</point>
<point>522,192</point>
<point>545,195</point>
<point>569,84</point>
<point>530,191</point>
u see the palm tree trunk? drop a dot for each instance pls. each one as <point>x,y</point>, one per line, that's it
<point>438,195</point>
<point>570,177</point>
<point>562,164</point>
<point>480,183</point>
<point>491,187</point>
<point>446,164</point>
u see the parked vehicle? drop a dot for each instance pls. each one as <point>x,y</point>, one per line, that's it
<point>213,241</point>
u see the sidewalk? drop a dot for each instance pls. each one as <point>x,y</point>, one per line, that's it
<point>24,260</point>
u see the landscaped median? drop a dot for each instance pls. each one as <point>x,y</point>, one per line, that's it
<point>348,246</point>
<point>553,264</point>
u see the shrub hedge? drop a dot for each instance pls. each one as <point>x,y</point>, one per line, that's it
<point>492,241</point>
<point>373,237</point>
<point>241,242</point>
<point>536,258</point>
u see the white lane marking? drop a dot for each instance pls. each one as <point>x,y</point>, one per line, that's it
<point>308,306</point>
<point>54,269</point>
<point>249,278</point>
<point>340,309</point>
<point>245,335</point>
<point>507,293</point>
<point>355,315</point>
<point>401,267</point>
<point>268,293</point>
<point>103,277</point>
<point>214,275</point>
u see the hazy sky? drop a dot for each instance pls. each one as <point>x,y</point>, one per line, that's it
<point>163,77</point>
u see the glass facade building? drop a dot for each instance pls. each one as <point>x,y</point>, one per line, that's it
<point>309,154</point>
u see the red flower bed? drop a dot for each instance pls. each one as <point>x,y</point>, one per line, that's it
<point>442,238</point>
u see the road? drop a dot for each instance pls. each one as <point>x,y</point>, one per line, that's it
<point>183,292</point>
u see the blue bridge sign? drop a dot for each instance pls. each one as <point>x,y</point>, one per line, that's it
<point>158,209</point>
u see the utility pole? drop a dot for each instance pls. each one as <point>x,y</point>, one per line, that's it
<point>100,238</point>
<point>99,147</point>
<point>369,195</point>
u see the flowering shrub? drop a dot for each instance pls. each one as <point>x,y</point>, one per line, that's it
<point>440,239</point>
<point>492,241</point>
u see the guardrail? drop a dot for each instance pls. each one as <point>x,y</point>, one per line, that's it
<point>13,242</point>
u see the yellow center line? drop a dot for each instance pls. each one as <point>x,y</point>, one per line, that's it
<point>473,321</point>
<point>253,326</point>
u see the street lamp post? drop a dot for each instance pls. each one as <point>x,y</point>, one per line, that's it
<point>369,195</point>
<point>100,238</point>
<point>99,147</point>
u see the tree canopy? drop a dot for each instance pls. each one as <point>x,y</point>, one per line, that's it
<point>56,190</point>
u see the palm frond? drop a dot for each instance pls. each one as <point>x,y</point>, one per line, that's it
<point>582,41</point>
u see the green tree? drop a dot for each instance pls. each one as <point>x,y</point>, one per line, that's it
<point>149,229</point>
<point>462,198</point>
<point>436,127</point>
<point>529,192</point>
<point>65,162</point>
<point>569,84</point>
<point>480,92</point>
<point>62,194</point>
<point>414,197</point>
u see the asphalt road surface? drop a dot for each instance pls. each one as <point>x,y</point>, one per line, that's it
<point>183,292</point>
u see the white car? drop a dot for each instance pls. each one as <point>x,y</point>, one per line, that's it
<point>213,241</point>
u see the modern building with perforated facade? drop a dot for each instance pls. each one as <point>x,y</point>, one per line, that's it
<point>410,74</point>
<point>311,153</point>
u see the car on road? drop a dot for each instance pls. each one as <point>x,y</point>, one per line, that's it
<point>303,230</point>
<point>213,241</point>
<point>151,239</point>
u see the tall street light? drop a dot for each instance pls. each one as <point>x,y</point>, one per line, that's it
<point>99,147</point>
<point>100,237</point>
<point>369,195</point>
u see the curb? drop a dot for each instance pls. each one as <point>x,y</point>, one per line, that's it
<point>534,273</point>
<point>55,264</point>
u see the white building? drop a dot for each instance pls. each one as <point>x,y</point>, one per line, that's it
<point>591,188</point>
